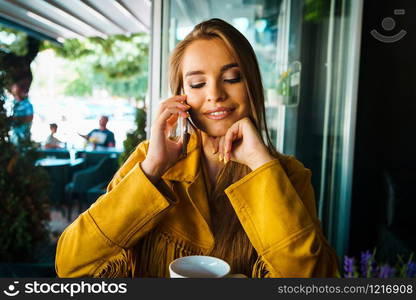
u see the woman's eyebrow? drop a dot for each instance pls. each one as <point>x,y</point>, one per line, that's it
<point>190,73</point>
<point>223,69</point>
<point>228,66</point>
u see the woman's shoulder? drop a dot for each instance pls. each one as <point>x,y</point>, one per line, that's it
<point>137,155</point>
<point>140,151</point>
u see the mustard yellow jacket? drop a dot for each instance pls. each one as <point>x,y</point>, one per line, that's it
<point>136,229</point>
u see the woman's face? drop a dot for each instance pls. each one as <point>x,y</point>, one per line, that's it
<point>214,86</point>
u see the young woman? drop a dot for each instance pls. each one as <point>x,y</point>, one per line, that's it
<point>232,196</point>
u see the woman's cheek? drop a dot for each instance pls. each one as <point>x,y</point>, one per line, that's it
<point>194,100</point>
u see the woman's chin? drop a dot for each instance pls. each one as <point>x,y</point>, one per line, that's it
<point>216,132</point>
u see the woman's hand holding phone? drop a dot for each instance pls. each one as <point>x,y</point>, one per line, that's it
<point>164,152</point>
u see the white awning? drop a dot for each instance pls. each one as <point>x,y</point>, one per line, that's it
<point>61,19</point>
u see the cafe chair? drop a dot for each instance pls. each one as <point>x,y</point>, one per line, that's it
<point>95,192</point>
<point>92,158</point>
<point>76,190</point>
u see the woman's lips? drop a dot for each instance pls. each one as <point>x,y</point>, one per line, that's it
<point>219,114</point>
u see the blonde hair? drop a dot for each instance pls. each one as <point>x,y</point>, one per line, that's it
<point>231,242</point>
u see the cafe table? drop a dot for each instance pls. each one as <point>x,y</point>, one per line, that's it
<point>59,170</point>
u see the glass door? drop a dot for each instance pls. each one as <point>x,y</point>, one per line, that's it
<point>308,56</point>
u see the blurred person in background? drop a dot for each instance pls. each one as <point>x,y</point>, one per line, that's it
<point>22,110</point>
<point>51,141</point>
<point>101,137</point>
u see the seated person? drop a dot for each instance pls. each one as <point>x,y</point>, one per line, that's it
<point>102,136</point>
<point>51,141</point>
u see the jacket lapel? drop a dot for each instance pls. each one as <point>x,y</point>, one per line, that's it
<point>189,173</point>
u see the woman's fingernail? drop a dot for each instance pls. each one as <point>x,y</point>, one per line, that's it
<point>220,157</point>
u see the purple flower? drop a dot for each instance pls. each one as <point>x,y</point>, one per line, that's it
<point>374,270</point>
<point>348,267</point>
<point>411,269</point>
<point>386,272</point>
<point>366,259</point>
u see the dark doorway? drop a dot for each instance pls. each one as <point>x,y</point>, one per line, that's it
<point>384,198</point>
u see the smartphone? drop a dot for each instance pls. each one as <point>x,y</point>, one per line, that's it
<point>185,133</point>
<point>182,129</point>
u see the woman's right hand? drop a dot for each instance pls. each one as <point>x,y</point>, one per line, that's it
<point>164,152</point>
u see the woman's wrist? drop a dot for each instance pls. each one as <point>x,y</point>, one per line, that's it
<point>151,171</point>
<point>260,160</point>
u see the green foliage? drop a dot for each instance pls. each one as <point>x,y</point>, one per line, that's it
<point>78,87</point>
<point>135,137</point>
<point>12,40</point>
<point>24,189</point>
<point>118,64</point>
<point>316,10</point>
<point>72,49</point>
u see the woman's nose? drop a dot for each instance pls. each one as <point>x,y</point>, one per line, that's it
<point>215,92</point>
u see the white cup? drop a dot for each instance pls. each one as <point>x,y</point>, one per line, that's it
<point>198,266</point>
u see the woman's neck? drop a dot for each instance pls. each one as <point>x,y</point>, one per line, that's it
<point>212,161</point>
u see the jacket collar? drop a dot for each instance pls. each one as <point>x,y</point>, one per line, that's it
<point>187,168</point>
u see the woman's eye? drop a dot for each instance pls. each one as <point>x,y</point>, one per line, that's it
<point>233,80</point>
<point>201,84</point>
<point>197,85</point>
